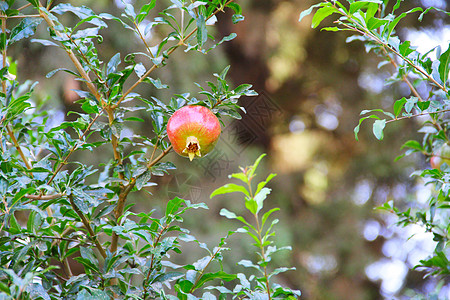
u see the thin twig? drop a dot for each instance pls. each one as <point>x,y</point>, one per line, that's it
<point>19,149</point>
<point>114,141</point>
<point>143,39</point>
<point>44,197</point>
<point>88,227</point>
<point>203,270</point>
<point>156,160</point>
<point>23,7</point>
<point>418,115</point>
<point>23,16</point>
<point>150,269</point>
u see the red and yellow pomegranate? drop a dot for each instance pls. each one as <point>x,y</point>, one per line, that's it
<point>193,131</point>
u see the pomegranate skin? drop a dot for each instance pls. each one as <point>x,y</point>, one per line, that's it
<point>440,157</point>
<point>193,131</point>
<point>435,162</point>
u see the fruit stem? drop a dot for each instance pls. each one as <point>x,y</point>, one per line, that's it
<point>192,147</point>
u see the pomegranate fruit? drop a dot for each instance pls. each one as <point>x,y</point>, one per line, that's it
<point>442,156</point>
<point>193,131</point>
<point>435,161</point>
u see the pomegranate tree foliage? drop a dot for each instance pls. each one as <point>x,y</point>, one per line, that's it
<point>374,23</point>
<point>78,214</point>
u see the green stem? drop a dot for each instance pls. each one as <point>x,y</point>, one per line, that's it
<point>261,246</point>
<point>263,254</point>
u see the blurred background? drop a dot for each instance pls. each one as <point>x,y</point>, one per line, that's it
<point>312,86</point>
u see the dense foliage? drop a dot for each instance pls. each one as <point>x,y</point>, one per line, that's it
<point>427,77</point>
<point>76,213</point>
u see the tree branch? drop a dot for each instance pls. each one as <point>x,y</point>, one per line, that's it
<point>124,194</point>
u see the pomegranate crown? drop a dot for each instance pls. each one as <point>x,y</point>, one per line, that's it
<point>192,147</point>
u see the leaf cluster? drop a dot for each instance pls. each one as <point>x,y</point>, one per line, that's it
<point>374,23</point>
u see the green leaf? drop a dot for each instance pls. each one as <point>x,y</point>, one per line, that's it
<point>173,206</point>
<point>30,222</point>
<point>394,23</point>
<point>309,10</point>
<point>143,179</point>
<point>4,288</point>
<point>398,106</point>
<point>156,82</point>
<point>145,10</point>
<point>3,41</point>
<point>260,197</point>
<point>263,183</point>
<point>378,127</point>
<point>267,215</point>
<point>134,119</point>
<point>90,107</point>
<point>24,29</point>
<point>51,73</point>
<point>202,32</point>
<point>248,264</point>
<point>355,6</point>
<point>88,254</point>
<point>321,14</point>
<point>113,64</point>
<point>332,29</point>
<point>356,130</point>
<point>255,165</point>
<point>432,8</point>
<point>229,188</point>
<point>231,215</point>
<point>129,11</point>
<point>444,62</point>
<point>35,3</point>
<point>413,144</point>
<point>423,105</point>
<point>235,7</point>
<point>251,205</point>
<point>224,72</point>
<point>240,176</point>
<point>211,276</point>
<point>374,23</point>
<point>410,103</point>
<point>236,18</point>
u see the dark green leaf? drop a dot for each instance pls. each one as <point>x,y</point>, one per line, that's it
<point>413,144</point>
<point>145,10</point>
<point>398,106</point>
<point>173,206</point>
<point>444,62</point>
<point>211,276</point>
<point>143,179</point>
<point>24,29</point>
<point>113,63</point>
<point>202,33</point>
<point>51,73</point>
